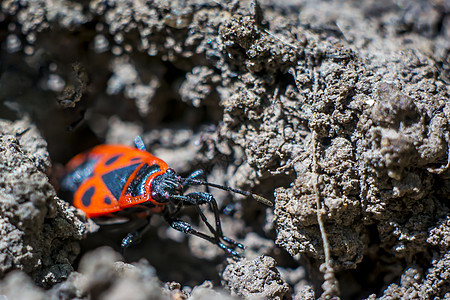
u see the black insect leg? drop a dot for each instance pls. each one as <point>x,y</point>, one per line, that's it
<point>218,234</point>
<point>200,174</point>
<point>199,198</point>
<point>139,143</point>
<point>215,209</point>
<point>186,228</point>
<point>135,236</point>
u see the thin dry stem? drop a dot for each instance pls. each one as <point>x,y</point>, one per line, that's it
<point>330,286</point>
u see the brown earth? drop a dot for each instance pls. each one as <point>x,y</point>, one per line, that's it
<point>339,111</point>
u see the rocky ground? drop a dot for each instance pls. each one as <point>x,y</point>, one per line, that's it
<point>339,111</point>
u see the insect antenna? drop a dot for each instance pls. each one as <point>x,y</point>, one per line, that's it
<point>230,189</point>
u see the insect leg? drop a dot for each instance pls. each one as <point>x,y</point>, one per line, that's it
<point>139,143</point>
<point>215,209</point>
<point>186,228</point>
<point>135,236</point>
<point>199,198</point>
<point>205,220</point>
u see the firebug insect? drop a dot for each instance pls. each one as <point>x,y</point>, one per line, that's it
<point>119,181</point>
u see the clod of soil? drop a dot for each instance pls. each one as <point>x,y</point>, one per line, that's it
<point>257,278</point>
<point>39,231</point>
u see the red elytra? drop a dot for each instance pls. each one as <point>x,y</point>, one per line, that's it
<point>92,169</point>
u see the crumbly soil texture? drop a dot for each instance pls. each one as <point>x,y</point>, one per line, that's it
<point>338,111</point>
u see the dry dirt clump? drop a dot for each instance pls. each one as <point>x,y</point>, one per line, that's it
<point>255,279</point>
<point>102,275</point>
<point>337,110</point>
<point>39,232</point>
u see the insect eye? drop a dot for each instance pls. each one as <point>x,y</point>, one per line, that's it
<point>155,195</point>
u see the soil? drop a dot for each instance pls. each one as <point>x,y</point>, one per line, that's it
<point>339,111</point>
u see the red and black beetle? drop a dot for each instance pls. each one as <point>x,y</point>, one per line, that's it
<point>121,181</point>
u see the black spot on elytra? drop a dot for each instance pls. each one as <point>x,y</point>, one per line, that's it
<point>72,181</point>
<point>87,196</point>
<point>135,159</point>
<point>115,180</point>
<point>112,159</point>
<point>107,200</point>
